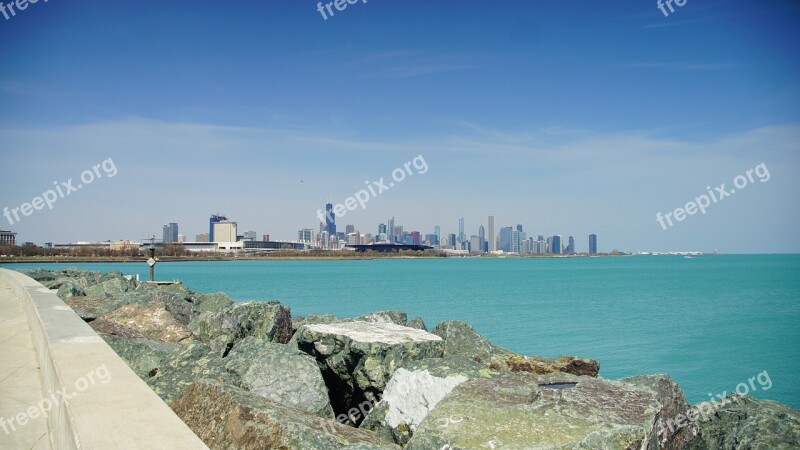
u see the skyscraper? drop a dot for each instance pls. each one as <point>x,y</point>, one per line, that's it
<point>215,218</point>
<point>390,231</point>
<point>481,239</point>
<point>571,246</point>
<point>506,237</point>
<point>492,237</point>
<point>349,229</point>
<point>330,220</point>
<point>592,244</point>
<point>170,233</point>
<point>555,247</point>
<point>515,241</point>
<point>438,232</point>
<point>462,238</point>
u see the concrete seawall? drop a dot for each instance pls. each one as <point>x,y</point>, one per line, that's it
<point>108,405</point>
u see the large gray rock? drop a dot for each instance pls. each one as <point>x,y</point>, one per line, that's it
<point>222,330</point>
<point>110,287</point>
<point>415,390</point>
<point>395,317</point>
<point>417,323</point>
<point>552,411</point>
<point>461,339</point>
<point>226,417</point>
<point>673,402</point>
<point>215,303</point>
<point>278,373</point>
<point>144,356</point>
<point>152,321</point>
<point>185,365</point>
<point>357,358</point>
<point>745,423</point>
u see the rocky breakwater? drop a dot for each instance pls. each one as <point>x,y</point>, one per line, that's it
<point>250,376</point>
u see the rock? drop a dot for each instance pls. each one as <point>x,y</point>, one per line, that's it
<point>278,373</point>
<point>68,289</point>
<point>395,317</point>
<point>144,356</point>
<point>216,302</point>
<point>414,391</point>
<point>111,287</point>
<point>265,320</point>
<point>357,358</point>
<point>226,417</point>
<point>552,411</point>
<point>537,364</point>
<point>417,323</point>
<point>95,306</point>
<point>180,307</point>
<point>185,365</point>
<point>746,423</point>
<point>462,339</point>
<point>107,328</point>
<point>152,321</point>
<point>673,402</point>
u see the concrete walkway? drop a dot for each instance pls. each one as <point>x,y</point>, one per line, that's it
<point>20,380</point>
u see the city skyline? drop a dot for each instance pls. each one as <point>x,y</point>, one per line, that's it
<point>604,118</point>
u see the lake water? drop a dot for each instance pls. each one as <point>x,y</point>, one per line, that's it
<point>711,322</point>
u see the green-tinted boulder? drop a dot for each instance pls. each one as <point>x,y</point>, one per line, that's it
<point>746,423</point>
<point>144,356</point>
<point>215,303</point>
<point>265,320</point>
<point>417,323</point>
<point>226,417</point>
<point>395,317</point>
<point>153,321</point>
<point>552,411</point>
<point>673,402</point>
<point>278,373</point>
<point>358,358</point>
<point>185,365</point>
<point>111,287</point>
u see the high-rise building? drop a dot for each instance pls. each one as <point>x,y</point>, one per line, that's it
<point>225,232</point>
<point>515,241</point>
<point>170,233</point>
<point>475,244</point>
<point>215,218</point>
<point>462,238</point>
<point>492,237</point>
<point>438,232</point>
<point>181,238</point>
<point>451,240</point>
<point>415,238</point>
<point>306,235</point>
<point>592,244</point>
<point>330,220</point>
<point>481,240</point>
<point>506,237</point>
<point>571,246</point>
<point>382,228</point>
<point>555,247</point>
<point>519,227</point>
<point>8,238</point>
<point>202,237</point>
<point>265,238</point>
<point>390,230</point>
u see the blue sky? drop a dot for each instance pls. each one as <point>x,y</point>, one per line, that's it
<point>569,118</point>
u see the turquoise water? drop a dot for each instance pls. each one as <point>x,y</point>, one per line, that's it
<point>711,322</point>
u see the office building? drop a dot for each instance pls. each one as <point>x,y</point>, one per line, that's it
<point>390,230</point>
<point>438,232</point>
<point>202,237</point>
<point>506,239</point>
<point>215,218</point>
<point>481,240</point>
<point>8,238</point>
<point>451,240</point>
<point>265,238</point>
<point>515,241</point>
<point>555,247</point>
<point>349,229</point>
<point>492,238</point>
<point>330,220</point>
<point>181,238</point>
<point>592,244</point>
<point>571,246</point>
<point>225,231</point>
<point>475,244</point>
<point>415,238</point>
<point>306,235</point>
<point>170,233</point>
<point>462,238</point>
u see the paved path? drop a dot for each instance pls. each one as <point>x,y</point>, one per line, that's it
<point>20,380</point>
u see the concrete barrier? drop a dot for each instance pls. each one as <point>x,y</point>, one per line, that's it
<point>108,405</point>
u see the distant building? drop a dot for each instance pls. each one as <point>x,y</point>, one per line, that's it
<point>382,228</point>
<point>555,246</point>
<point>451,240</point>
<point>506,237</point>
<point>415,238</point>
<point>8,238</point>
<point>475,244</point>
<point>181,238</point>
<point>592,244</point>
<point>349,229</point>
<point>170,233</point>
<point>265,238</point>
<point>438,232</point>
<point>225,231</point>
<point>462,238</point>
<point>571,246</point>
<point>250,235</point>
<point>215,218</point>
<point>515,240</point>
<point>330,220</point>
<point>390,230</point>
<point>203,237</point>
<point>306,235</point>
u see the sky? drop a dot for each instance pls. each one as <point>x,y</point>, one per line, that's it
<point>569,118</point>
